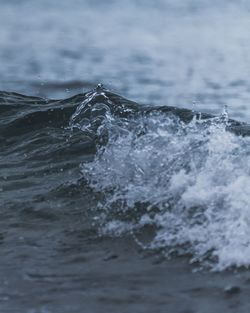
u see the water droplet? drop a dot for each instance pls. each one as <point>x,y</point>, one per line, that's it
<point>99,87</point>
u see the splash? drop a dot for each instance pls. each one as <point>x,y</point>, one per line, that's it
<point>188,181</point>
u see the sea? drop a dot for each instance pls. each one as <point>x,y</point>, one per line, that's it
<point>124,156</point>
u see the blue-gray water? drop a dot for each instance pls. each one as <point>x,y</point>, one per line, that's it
<point>159,52</point>
<point>113,205</point>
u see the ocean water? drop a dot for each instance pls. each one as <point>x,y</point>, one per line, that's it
<point>166,52</point>
<point>132,196</point>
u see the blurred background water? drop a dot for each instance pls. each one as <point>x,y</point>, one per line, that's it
<point>158,52</point>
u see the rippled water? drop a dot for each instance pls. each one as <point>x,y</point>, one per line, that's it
<point>113,205</point>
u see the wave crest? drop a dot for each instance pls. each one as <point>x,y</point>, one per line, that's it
<point>188,180</point>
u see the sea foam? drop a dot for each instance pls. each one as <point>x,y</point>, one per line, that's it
<point>188,181</point>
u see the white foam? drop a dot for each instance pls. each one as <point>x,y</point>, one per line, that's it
<point>196,175</point>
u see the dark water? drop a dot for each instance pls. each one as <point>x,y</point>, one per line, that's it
<point>85,225</point>
<point>110,205</point>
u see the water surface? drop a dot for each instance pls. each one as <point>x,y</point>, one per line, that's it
<point>116,205</point>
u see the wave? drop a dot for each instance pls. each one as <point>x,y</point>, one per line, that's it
<point>183,174</point>
<point>177,180</point>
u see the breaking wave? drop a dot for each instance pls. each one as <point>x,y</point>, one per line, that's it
<point>177,180</point>
<point>183,177</point>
